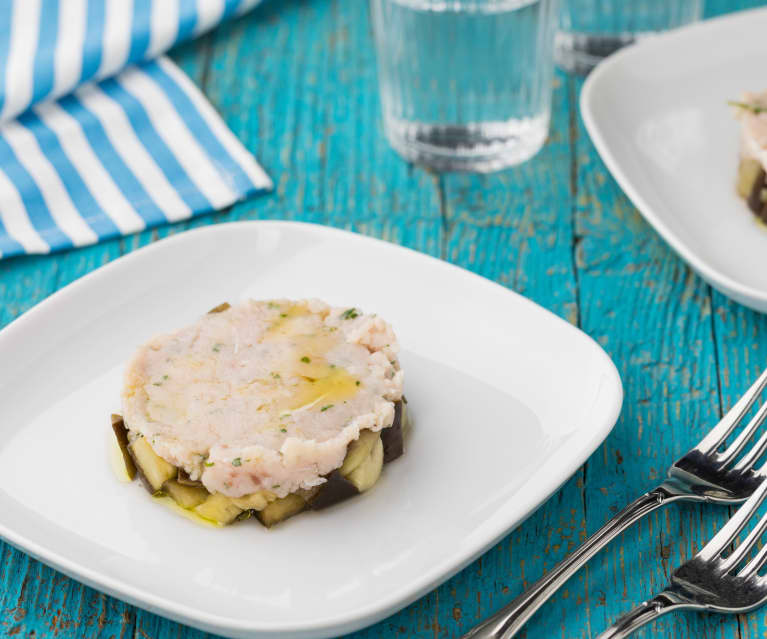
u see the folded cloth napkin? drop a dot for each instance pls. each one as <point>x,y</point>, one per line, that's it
<point>99,137</point>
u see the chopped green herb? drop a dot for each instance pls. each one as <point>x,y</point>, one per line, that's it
<point>165,377</point>
<point>754,108</point>
<point>209,464</point>
<point>276,486</point>
<point>283,430</point>
<point>217,347</point>
<point>275,375</point>
<point>333,328</point>
<point>305,359</point>
<point>283,314</point>
<point>358,382</point>
<point>350,313</point>
<point>156,383</point>
<point>273,305</point>
<point>332,366</point>
<point>237,461</point>
<point>324,408</point>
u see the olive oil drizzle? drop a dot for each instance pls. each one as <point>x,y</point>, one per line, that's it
<point>313,381</point>
<point>170,504</point>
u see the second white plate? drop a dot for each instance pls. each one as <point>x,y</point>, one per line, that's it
<point>657,113</point>
<point>508,400</point>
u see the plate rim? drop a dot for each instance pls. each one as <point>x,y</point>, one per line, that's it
<point>400,596</point>
<point>750,296</point>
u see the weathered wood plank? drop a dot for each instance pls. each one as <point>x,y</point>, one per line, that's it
<point>678,371</point>
<point>296,82</point>
<point>653,316</point>
<point>516,227</point>
<point>742,356</point>
<point>36,601</point>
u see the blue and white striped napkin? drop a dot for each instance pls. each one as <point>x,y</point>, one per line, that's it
<point>99,136</point>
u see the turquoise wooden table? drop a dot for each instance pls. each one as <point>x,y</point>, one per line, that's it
<point>295,80</point>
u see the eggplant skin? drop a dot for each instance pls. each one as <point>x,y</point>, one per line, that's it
<point>153,470</point>
<point>336,489</point>
<point>391,438</point>
<point>280,510</point>
<point>752,186</point>
<point>146,483</point>
<point>121,433</point>
<point>185,496</point>
<point>755,199</point>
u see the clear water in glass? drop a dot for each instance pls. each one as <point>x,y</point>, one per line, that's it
<point>590,30</point>
<point>465,84</point>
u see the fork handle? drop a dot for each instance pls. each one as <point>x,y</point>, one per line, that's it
<point>508,620</point>
<point>646,612</point>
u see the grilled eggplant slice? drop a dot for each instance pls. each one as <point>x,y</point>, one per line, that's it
<point>218,508</point>
<point>748,175</point>
<point>361,469</point>
<point>337,488</point>
<point>368,472</point>
<point>757,199</point>
<point>153,469</point>
<point>184,495</point>
<point>255,501</point>
<point>121,434</point>
<point>281,509</point>
<point>393,442</point>
<point>358,451</point>
<point>752,186</point>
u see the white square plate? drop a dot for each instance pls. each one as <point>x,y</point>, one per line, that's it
<point>508,400</point>
<point>658,115</point>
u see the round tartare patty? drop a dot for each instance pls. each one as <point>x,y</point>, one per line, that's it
<point>265,394</point>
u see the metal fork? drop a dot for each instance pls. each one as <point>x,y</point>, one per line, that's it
<point>710,581</point>
<point>703,474</point>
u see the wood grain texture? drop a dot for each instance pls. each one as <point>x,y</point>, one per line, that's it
<point>295,81</point>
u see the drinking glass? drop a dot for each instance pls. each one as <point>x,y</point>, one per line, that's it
<point>465,84</point>
<point>590,30</point>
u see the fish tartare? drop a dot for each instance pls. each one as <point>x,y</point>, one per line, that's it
<point>751,110</point>
<point>266,407</point>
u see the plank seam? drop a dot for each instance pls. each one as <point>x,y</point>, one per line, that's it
<point>717,364</point>
<point>576,239</point>
<point>443,214</point>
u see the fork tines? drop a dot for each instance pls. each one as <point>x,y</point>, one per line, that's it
<point>731,421</point>
<point>714,548</point>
